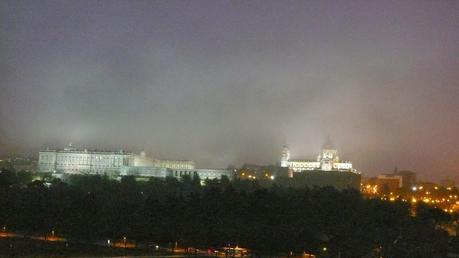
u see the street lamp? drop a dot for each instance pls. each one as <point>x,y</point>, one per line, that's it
<point>124,240</point>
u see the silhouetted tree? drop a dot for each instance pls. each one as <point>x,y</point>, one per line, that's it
<point>274,220</point>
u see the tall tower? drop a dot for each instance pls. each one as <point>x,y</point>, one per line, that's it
<point>285,156</point>
<point>328,155</point>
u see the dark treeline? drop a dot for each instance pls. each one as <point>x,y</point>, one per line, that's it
<point>274,219</point>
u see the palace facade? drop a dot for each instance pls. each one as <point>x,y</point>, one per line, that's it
<point>76,161</point>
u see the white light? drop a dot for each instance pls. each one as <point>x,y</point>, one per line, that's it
<point>272,177</point>
<point>414,188</point>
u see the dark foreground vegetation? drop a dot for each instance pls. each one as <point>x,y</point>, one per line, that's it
<point>20,247</point>
<point>168,212</point>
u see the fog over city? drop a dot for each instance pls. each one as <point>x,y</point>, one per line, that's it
<point>230,82</point>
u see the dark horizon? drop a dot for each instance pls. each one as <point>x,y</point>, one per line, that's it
<point>230,82</point>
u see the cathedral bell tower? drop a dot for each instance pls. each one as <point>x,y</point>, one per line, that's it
<point>284,160</point>
<point>285,156</point>
<point>328,156</point>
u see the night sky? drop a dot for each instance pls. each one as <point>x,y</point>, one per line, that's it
<point>230,82</point>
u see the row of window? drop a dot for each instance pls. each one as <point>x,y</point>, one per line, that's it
<point>83,163</point>
<point>183,173</point>
<point>75,158</point>
<point>78,171</point>
<point>299,165</point>
<point>69,160</point>
<point>175,166</point>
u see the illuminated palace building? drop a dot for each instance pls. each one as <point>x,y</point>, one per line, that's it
<point>71,160</point>
<point>326,170</point>
<point>327,160</point>
<point>74,161</point>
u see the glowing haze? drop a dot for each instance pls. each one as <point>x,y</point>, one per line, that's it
<point>230,82</point>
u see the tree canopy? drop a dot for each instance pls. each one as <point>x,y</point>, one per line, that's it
<point>221,213</point>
